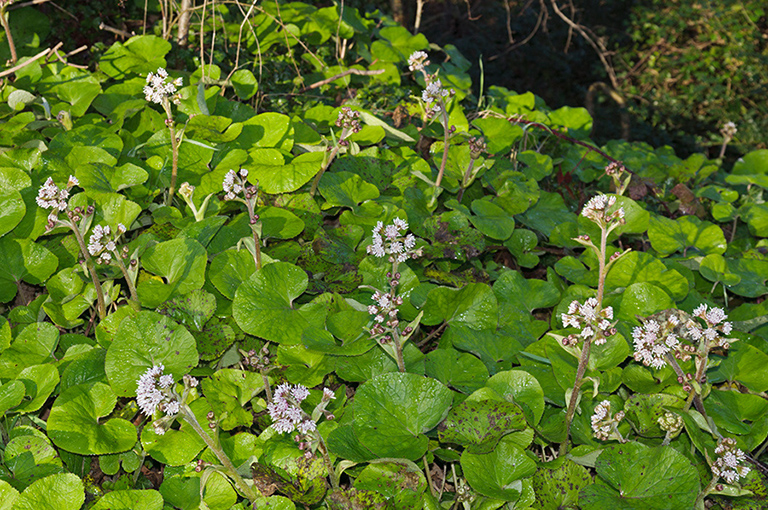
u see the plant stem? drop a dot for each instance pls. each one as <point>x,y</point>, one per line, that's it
<point>583,361</point>
<point>602,273</point>
<point>707,489</point>
<point>446,132</point>
<point>101,307</point>
<point>267,389</point>
<point>8,35</point>
<point>327,459</point>
<point>135,303</point>
<point>256,240</point>
<point>465,179</point>
<point>175,160</point>
<point>243,487</point>
<point>316,181</point>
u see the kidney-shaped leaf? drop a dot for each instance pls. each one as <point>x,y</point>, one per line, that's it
<point>146,340</point>
<point>74,422</point>
<point>263,305</point>
<point>22,259</point>
<point>498,474</point>
<point>394,410</point>
<point>474,305</point>
<point>129,500</point>
<point>180,263</point>
<point>62,491</point>
<point>521,388</point>
<point>642,478</point>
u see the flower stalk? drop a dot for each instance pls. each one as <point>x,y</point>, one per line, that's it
<point>349,122</point>
<point>237,188</point>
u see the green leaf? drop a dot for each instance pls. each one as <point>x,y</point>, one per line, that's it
<point>23,260</point>
<point>146,499</point>
<point>180,262</point>
<point>498,474</point>
<point>34,345</point>
<point>642,299</point>
<point>229,269</point>
<point>39,381</point>
<point>715,269</point>
<point>345,189</point>
<point>30,457</point>
<point>244,83</point>
<point>463,372</point>
<point>263,305</point>
<point>479,424</point>
<point>177,447</point>
<point>577,121</point>
<point>140,54</point>
<point>756,216</point>
<point>549,212</point>
<point>496,349</point>
<point>11,394</point>
<point>521,388</point>
<point>192,310</point>
<point>74,423</point>
<point>745,364</point>
<point>518,297</point>
<point>63,491</point>
<point>670,236</point>
<point>537,165</point>
<point>279,223</point>
<point>645,410</point>
<point>12,210</point>
<point>492,220</point>
<point>393,412</point>
<point>8,495</point>
<point>559,487</point>
<point>750,169</point>
<point>640,267</point>
<point>401,482</point>
<point>286,177</point>
<point>474,305</point>
<point>229,391</point>
<point>643,478</point>
<point>143,341</point>
<point>98,178</point>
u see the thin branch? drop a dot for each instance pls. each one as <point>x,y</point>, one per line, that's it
<point>116,31</point>
<point>26,63</point>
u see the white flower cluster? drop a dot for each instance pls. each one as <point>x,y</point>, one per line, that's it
<point>385,308</point>
<point>653,341</point>
<point>50,196</point>
<point>348,120</point>
<point>603,424</point>
<point>154,391</point>
<point>433,94</point>
<point>594,323</point>
<point>234,183</point>
<point>103,245</point>
<point>390,241</point>
<point>729,464</point>
<point>716,325</point>
<point>285,411</point>
<point>729,129</point>
<point>417,61</point>
<point>597,207</point>
<point>158,87</point>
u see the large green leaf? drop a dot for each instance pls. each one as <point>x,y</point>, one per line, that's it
<point>640,267</point>
<point>558,487</point>
<point>181,264</point>
<point>229,391</point>
<point>670,236</point>
<point>642,478</point>
<point>23,260</point>
<point>518,297</point>
<point>62,491</point>
<point>177,446</point>
<point>346,189</point>
<point>39,381</point>
<point>12,210</point>
<point>492,220</point>
<point>141,54</point>
<point>521,388</point>
<point>74,423</point>
<point>279,177</point>
<point>263,305</point>
<point>34,345</point>
<point>143,341</point>
<point>498,474</point>
<point>146,499</point>
<point>474,305</point>
<point>479,424</point>
<point>393,412</point>
<point>463,372</point>
<point>31,457</point>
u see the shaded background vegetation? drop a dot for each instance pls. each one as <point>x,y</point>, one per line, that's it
<point>673,71</point>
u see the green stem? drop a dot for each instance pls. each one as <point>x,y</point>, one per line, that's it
<point>256,240</point>
<point>465,179</point>
<point>135,303</point>
<point>327,459</point>
<point>580,370</point>
<point>101,306</point>
<point>331,157</point>
<point>446,132</point>
<point>243,487</point>
<point>707,490</point>
<point>175,161</point>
